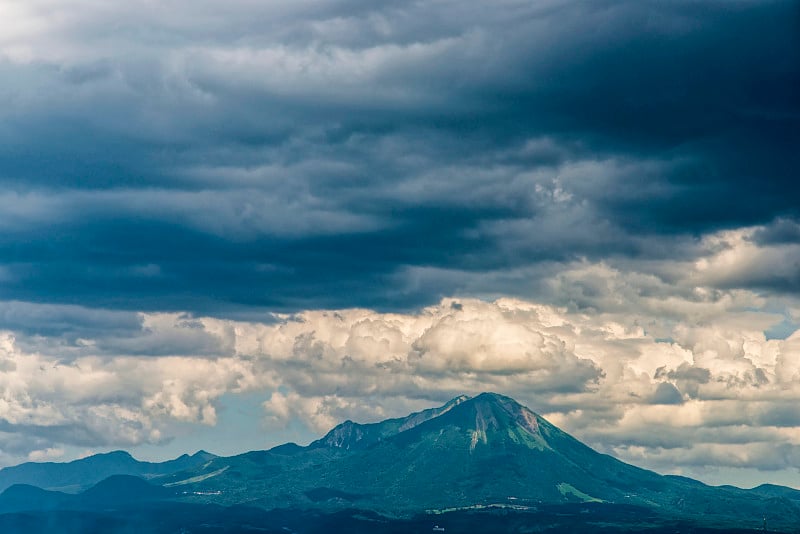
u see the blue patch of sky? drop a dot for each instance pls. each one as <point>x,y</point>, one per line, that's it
<point>240,428</point>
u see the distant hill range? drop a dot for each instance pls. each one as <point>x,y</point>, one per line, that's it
<point>472,454</point>
<point>76,476</point>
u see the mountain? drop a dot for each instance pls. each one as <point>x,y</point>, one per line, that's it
<point>124,489</point>
<point>78,475</point>
<point>352,436</point>
<point>21,497</point>
<point>468,462</point>
<point>116,491</point>
<point>472,452</point>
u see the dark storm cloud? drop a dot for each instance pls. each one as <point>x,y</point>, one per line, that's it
<point>782,231</point>
<point>46,435</point>
<point>310,155</point>
<point>666,393</point>
<point>66,332</point>
<point>58,320</point>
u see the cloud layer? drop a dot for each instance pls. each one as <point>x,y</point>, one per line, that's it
<point>673,376</point>
<point>191,157</point>
<point>351,209</point>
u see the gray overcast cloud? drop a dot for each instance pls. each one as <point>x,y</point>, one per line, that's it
<point>210,157</point>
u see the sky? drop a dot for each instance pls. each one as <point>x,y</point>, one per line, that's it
<point>228,225</point>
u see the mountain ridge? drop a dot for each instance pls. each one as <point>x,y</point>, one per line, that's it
<point>351,435</point>
<point>80,474</point>
<point>481,450</point>
<point>471,453</point>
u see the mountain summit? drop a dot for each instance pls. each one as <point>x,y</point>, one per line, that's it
<point>355,436</point>
<point>470,453</point>
<point>486,450</point>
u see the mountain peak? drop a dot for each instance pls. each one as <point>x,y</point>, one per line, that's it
<point>122,455</point>
<point>494,404</point>
<point>490,395</point>
<point>458,400</point>
<point>495,398</point>
<point>355,436</point>
<point>492,417</point>
<point>486,411</point>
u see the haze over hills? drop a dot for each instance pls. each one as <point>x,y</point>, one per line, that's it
<point>485,452</point>
<point>78,475</point>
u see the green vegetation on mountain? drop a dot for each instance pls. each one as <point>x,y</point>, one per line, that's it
<point>472,452</point>
<point>484,454</point>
